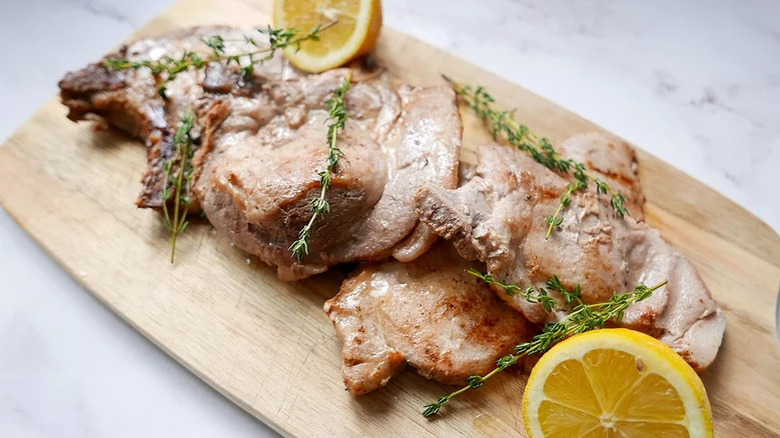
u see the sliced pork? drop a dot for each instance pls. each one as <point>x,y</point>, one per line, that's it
<point>430,313</point>
<point>498,217</point>
<point>129,99</point>
<point>263,143</point>
<point>263,154</point>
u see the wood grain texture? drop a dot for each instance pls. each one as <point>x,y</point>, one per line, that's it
<point>268,346</point>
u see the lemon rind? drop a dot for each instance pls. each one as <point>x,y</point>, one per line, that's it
<point>656,355</point>
<point>349,50</point>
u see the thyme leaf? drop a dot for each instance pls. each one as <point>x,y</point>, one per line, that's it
<point>167,67</point>
<point>531,294</point>
<point>338,116</point>
<point>178,183</point>
<point>502,124</point>
<point>583,317</point>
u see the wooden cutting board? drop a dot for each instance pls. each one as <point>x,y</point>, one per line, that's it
<point>268,346</point>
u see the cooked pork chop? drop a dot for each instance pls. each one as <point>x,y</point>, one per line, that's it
<point>129,100</point>
<point>430,313</point>
<point>498,217</point>
<point>263,143</point>
<point>262,155</point>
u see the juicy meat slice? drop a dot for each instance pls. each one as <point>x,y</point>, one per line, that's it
<point>692,322</point>
<point>262,155</point>
<point>430,313</point>
<point>499,217</point>
<point>129,100</point>
<point>611,159</point>
<point>263,143</point>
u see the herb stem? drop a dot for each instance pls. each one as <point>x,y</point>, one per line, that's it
<point>584,317</point>
<point>176,206</point>
<point>503,123</point>
<point>177,184</point>
<point>277,39</point>
<point>338,116</point>
<point>531,294</point>
<point>295,42</point>
<point>556,220</point>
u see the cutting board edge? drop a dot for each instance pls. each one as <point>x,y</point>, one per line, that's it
<point>221,389</point>
<point>146,30</point>
<point>772,234</point>
<point>124,318</point>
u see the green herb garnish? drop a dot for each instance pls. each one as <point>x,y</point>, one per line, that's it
<point>171,67</point>
<point>338,116</point>
<point>178,183</point>
<point>502,123</point>
<point>583,317</point>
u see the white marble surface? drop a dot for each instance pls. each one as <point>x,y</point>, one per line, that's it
<point>697,83</point>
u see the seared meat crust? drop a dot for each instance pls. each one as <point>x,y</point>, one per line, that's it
<point>430,313</point>
<point>263,143</point>
<point>128,100</point>
<point>498,217</point>
<point>262,155</point>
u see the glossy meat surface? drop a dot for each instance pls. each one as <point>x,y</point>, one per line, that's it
<point>263,153</point>
<point>430,313</point>
<point>128,100</point>
<point>499,217</point>
<point>262,144</point>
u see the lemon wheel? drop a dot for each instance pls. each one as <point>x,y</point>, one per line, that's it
<point>615,383</point>
<point>356,29</point>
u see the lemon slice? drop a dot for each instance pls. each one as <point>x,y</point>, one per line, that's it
<point>615,383</point>
<point>355,33</point>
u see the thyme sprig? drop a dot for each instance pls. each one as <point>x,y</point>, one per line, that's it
<point>583,317</point>
<point>532,294</point>
<point>178,183</point>
<point>338,116</point>
<point>278,38</point>
<point>502,123</point>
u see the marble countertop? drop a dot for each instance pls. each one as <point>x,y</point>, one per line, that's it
<point>696,83</point>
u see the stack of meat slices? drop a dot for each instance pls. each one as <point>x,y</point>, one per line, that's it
<point>497,216</point>
<point>262,145</point>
